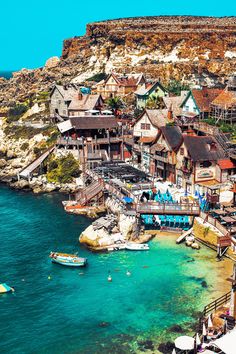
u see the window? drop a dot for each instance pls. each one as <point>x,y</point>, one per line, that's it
<point>181,151</point>
<point>145,126</point>
<point>205,164</point>
<point>186,108</point>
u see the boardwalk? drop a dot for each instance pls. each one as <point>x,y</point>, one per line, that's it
<point>26,171</point>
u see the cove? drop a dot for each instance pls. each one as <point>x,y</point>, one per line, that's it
<point>78,310</point>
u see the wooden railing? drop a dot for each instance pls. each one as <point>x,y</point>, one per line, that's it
<point>214,222</point>
<point>214,305</point>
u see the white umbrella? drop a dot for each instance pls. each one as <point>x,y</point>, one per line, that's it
<point>209,322</point>
<point>204,332</point>
<point>198,341</point>
<point>184,343</point>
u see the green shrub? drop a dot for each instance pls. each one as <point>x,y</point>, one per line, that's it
<point>63,169</point>
<point>18,110</point>
<point>97,77</point>
<point>24,146</point>
<point>175,87</point>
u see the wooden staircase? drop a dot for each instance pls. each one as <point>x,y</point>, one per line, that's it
<point>90,192</point>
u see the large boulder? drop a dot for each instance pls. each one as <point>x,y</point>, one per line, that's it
<point>3,163</point>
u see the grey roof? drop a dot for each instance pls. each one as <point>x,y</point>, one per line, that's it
<point>94,122</point>
<point>147,87</point>
<point>158,117</point>
<point>173,136</point>
<point>199,148</point>
<point>175,102</point>
<point>86,103</point>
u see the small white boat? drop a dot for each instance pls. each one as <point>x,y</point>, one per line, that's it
<point>132,246</point>
<point>4,288</point>
<point>69,260</point>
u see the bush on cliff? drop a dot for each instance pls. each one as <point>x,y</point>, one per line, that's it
<point>16,112</point>
<point>63,169</point>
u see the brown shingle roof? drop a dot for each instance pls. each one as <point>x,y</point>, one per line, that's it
<point>173,136</point>
<point>158,117</point>
<point>199,148</point>
<point>94,122</point>
<point>86,103</point>
<point>204,97</point>
<point>225,99</point>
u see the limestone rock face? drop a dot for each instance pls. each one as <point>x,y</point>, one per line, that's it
<point>3,163</point>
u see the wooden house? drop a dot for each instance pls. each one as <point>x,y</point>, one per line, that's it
<point>148,91</point>
<point>67,101</point>
<point>196,160</point>
<point>223,107</point>
<point>119,85</point>
<point>163,152</point>
<point>198,101</point>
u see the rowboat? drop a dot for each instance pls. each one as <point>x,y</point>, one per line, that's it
<point>69,260</point>
<point>136,246</point>
<point>4,288</point>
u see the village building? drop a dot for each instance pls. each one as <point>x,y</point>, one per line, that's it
<point>196,161</point>
<point>66,101</point>
<point>148,91</point>
<point>145,131</point>
<point>92,138</point>
<point>198,101</point>
<point>225,168</point>
<point>223,107</point>
<point>163,153</point>
<point>119,85</point>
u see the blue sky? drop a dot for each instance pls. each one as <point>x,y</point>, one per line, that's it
<point>32,31</point>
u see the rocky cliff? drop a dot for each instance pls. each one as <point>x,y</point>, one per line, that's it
<point>181,47</point>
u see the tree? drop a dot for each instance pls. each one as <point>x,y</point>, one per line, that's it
<point>155,101</point>
<point>115,103</point>
<point>176,87</point>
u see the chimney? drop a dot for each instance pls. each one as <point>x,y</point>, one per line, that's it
<point>80,96</point>
<point>170,114</point>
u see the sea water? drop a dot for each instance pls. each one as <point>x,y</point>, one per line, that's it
<point>6,74</point>
<point>57,310</point>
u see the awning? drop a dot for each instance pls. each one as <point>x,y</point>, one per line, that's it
<point>147,139</point>
<point>128,200</point>
<point>185,343</point>
<point>226,164</point>
<point>64,126</point>
<point>226,343</point>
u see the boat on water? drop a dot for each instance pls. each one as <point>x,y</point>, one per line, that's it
<point>132,246</point>
<point>69,260</point>
<point>4,288</point>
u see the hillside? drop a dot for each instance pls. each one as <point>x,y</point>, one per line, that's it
<point>181,47</point>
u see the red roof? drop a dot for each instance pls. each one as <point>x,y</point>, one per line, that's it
<point>226,164</point>
<point>205,97</point>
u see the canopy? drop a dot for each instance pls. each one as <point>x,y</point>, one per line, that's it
<point>4,288</point>
<point>184,343</point>
<point>226,343</point>
<point>128,200</point>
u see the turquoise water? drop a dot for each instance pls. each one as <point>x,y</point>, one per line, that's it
<point>79,311</point>
<point>6,74</point>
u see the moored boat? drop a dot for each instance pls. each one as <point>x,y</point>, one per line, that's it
<point>4,288</point>
<point>136,246</point>
<point>69,260</point>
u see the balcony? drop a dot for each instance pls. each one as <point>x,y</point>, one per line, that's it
<point>186,169</point>
<point>161,158</point>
